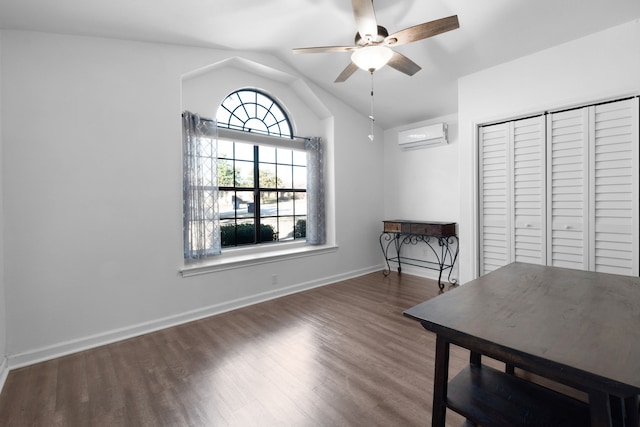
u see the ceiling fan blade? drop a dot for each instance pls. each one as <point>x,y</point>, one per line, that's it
<point>403,64</point>
<point>324,49</point>
<point>365,17</point>
<point>346,73</point>
<point>422,31</point>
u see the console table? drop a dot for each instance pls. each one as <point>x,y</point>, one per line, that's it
<point>439,237</point>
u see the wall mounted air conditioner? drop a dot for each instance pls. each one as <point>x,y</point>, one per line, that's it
<point>425,136</point>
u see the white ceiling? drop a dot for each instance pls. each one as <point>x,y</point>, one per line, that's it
<point>491,32</point>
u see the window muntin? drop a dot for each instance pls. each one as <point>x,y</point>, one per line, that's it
<point>253,111</point>
<point>262,188</point>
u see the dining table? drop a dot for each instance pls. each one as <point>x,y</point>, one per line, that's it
<point>579,329</point>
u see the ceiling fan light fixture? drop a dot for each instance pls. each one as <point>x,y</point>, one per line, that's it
<point>371,58</point>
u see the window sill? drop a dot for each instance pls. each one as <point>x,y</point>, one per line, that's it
<point>240,258</point>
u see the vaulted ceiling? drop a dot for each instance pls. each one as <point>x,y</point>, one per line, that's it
<point>491,32</point>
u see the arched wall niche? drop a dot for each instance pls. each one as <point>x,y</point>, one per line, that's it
<point>203,90</point>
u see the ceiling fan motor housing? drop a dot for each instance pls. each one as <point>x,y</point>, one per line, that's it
<point>379,38</point>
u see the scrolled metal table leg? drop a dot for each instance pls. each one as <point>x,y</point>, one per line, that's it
<point>453,258</point>
<point>385,250</point>
<point>398,248</point>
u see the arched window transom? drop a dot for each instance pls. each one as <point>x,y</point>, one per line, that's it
<point>253,111</point>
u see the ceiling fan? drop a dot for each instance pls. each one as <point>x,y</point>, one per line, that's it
<point>372,49</point>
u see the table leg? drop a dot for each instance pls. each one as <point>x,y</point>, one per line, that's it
<point>398,249</point>
<point>632,408</point>
<point>600,408</point>
<point>617,410</point>
<point>440,382</point>
<point>475,358</point>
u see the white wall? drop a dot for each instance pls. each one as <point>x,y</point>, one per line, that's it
<point>600,66</point>
<point>92,157</point>
<point>3,305</point>
<point>422,184</point>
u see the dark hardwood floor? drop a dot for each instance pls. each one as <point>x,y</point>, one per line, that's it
<point>339,355</point>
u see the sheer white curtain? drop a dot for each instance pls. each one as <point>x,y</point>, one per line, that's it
<point>201,218</point>
<point>316,225</point>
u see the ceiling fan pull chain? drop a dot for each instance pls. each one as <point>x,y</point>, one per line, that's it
<point>371,117</point>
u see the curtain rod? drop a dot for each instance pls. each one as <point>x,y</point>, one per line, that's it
<point>302,138</point>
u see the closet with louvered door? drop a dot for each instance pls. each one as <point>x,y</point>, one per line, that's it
<point>494,188</point>
<point>511,193</point>
<point>614,199</point>
<point>568,189</point>
<point>529,196</point>
<point>562,189</point>
<point>593,188</point>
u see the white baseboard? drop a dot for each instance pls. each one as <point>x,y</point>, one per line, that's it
<point>73,346</point>
<point>4,372</point>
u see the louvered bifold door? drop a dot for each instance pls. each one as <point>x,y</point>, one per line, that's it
<point>494,202</point>
<point>613,138</point>
<point>567,189</point>
<point>529,190</point>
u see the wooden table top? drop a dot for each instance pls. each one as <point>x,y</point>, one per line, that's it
<point>583,323</point>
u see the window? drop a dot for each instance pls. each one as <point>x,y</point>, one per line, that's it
<point>248,181</point>
<point>262,188</point>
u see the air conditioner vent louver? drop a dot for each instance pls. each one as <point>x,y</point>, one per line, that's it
<point>422,137</point>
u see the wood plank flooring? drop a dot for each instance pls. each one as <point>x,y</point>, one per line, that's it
<point>339,355</point>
